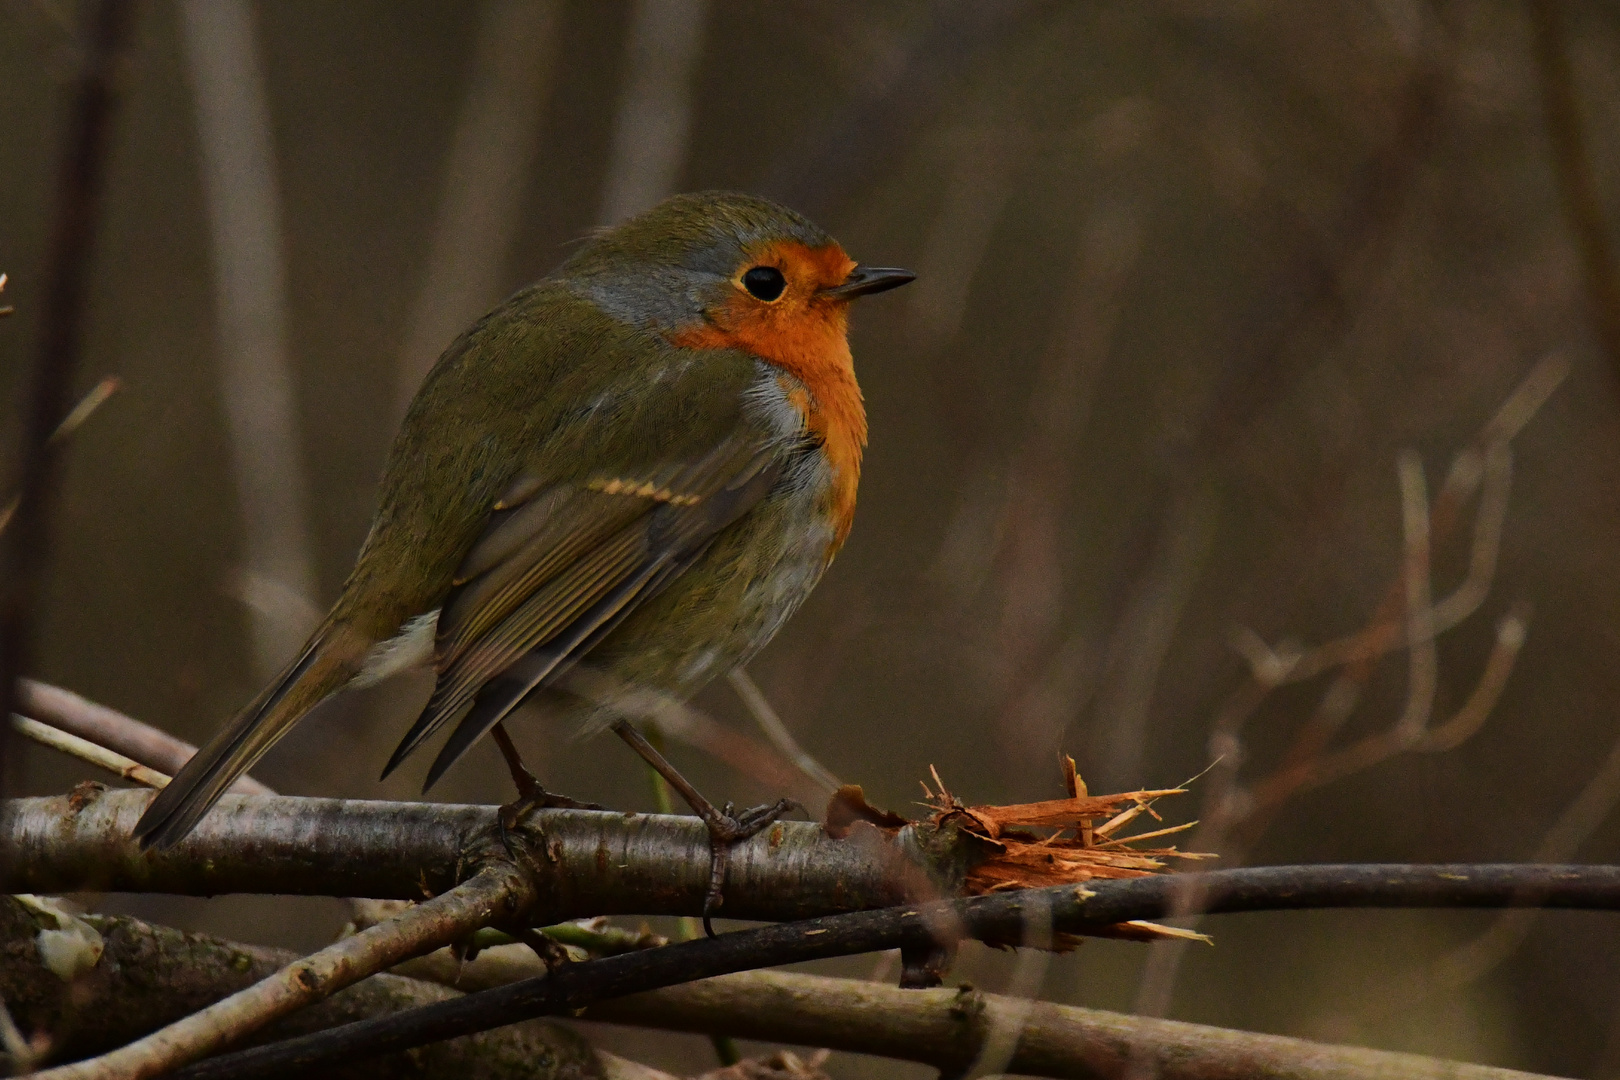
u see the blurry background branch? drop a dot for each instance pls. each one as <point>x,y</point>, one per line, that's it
<point>1237,813</point>
<point>277,579</point>
<point>653,120</point>
<point>109,728</point>
<point>25,546</point>
<point>487,172</point>
<point>1577,177</point>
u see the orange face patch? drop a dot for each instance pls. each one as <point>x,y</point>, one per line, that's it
<point>805,333</point>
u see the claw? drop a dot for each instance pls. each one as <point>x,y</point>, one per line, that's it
<point>511,814</point>
<point>727,829</point>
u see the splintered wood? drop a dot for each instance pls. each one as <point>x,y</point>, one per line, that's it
<point>1082,843</point>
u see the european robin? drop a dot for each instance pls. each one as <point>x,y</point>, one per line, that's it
<point>637,467</point>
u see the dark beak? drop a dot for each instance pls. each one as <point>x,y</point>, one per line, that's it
<point>866,280</point>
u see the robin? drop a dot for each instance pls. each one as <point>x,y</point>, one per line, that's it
<point>634,469</point>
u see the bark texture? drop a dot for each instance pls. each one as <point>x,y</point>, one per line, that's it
<point>149,976</point>
<point>586,862</point>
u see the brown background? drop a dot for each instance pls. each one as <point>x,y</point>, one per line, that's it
<point>1191,276</point>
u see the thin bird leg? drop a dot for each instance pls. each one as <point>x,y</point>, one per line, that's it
<point>530,794</point>
<point>725,828</point>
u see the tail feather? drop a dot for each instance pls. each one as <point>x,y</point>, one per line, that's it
<point>332,657</point>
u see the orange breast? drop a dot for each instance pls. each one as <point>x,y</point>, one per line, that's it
<point>808,340</point>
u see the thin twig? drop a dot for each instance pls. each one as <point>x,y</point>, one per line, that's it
<point>1486,462</point>
<point>1235,815</point>
<point>999,917</point>
<point>497,892</point>
<point>1373,749</point>
<point>109,728</point>
<point>681,722</point>
<point>1423,655</point>
<point>88,404</point>
<point>85,750</point>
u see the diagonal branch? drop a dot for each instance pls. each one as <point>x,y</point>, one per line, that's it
<point>145,977</point>
<point>110,728</point>
<point>497,892</point>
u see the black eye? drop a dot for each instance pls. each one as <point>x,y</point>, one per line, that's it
<point>764,282</point>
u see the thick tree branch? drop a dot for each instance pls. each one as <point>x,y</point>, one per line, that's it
<point>947,1027</point>
<point>148,976</point>
<point>589,862</point>
<point>998,918</point>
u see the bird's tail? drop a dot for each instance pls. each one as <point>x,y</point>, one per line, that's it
<point>333,656</point>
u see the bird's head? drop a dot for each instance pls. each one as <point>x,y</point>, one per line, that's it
<point>724,269</point>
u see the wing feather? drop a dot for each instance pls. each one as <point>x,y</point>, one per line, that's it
<point>580,524</point>
<point>554,574</point>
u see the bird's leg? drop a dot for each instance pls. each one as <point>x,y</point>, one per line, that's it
<point>725,828</point>
<point>530,794</point>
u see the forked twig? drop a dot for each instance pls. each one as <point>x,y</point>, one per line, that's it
<point>1235,814</point>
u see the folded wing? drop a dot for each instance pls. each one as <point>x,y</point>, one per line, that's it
<point>559,567</point>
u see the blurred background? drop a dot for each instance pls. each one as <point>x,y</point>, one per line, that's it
<point>1216,301</point>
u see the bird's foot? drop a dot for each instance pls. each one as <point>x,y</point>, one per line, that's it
<point>531,797</point>
<point>727,829</point>
<point>725,826</point>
